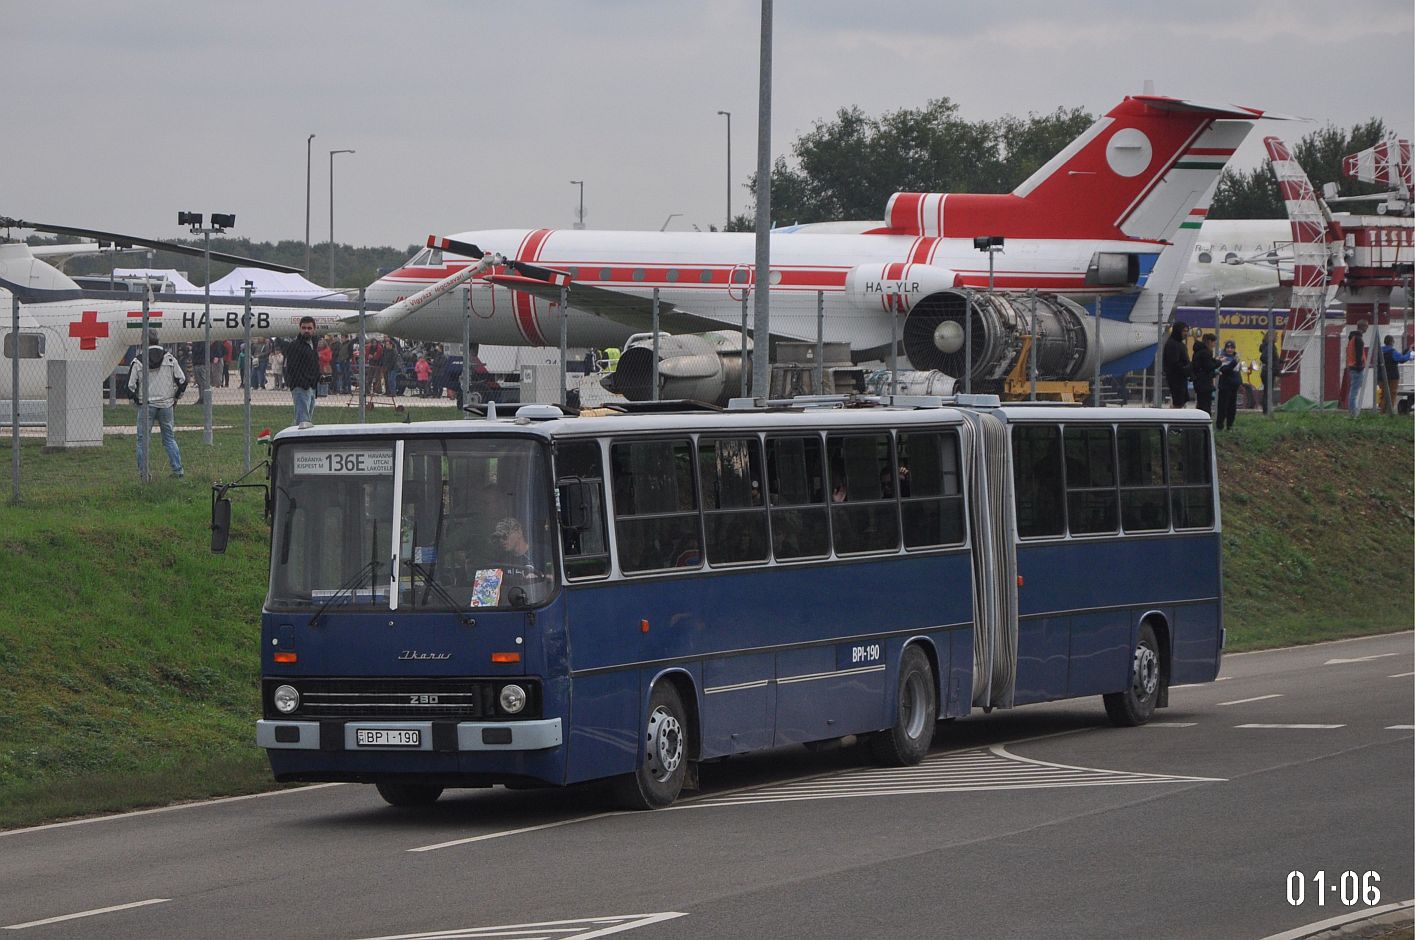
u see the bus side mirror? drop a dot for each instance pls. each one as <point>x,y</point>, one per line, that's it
<point>220,525</point>
<point>574,505</point>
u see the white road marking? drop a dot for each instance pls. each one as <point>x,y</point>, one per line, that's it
<point>1245,701</point>
<point>168,809</point>
<point>1294,727</point>
<point>1401,675</point>
<point>1308,930</point>
<point>515,832</point>
<point>1400,727</point>
<point>1357,659</point>
<point>583,929</point>
<point>1170,724</point>
<point>954,772</point>
<point>101,910</point>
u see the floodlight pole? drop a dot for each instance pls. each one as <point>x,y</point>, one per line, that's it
<point>197,228</point>
<point>728,115</point>
<point>308,152</point>
<point>144,411</point>
<point>761,333</point>
<point>331,213</point>
<point>15,398</point>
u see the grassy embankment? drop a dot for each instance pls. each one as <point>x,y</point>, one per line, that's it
<point>129,652</point>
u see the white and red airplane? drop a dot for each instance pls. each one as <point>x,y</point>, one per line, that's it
<point>1089,225</point>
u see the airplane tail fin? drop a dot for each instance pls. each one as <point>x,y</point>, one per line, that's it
<point>1136,173</point>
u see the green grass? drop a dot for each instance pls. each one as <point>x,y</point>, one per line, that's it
<point>129,652</point>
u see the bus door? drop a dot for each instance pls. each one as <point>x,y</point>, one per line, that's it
<point>994,562</point>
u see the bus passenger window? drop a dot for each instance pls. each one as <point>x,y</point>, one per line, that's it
<point>1037,480</point>
<point>1091,497</point>
<point>868,519</point>
<point>1191,493</point>
<point>655,505</point>
<point>796,489</point>
<point>580,477</point>
<point>1144,500</point>
<point>734,515</point>
<point>931,489</point>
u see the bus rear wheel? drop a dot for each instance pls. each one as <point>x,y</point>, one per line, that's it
<point>408,794</point>
<point>663,763</point>
<point>908,740</point>
<point>1136,705</point>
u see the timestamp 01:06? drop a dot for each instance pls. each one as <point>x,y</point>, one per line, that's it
<point>1347,888</point>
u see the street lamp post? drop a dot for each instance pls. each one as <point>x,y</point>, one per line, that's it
<point>331,213</point>
<point>580,220</point>
<point>728,115</point>
<point>308,142</point>
<point>220,222</point>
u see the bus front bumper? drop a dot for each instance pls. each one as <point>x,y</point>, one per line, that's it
<point>402,736</point>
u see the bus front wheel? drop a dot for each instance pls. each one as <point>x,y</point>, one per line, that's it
<point>908,740</point>
<point>1136,705</point>
<point>408,794</point>
<point>663,763</point>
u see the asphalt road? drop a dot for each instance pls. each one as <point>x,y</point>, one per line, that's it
<point>1040,822</point>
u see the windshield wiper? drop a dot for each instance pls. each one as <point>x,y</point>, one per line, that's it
<point>369,567</point>
<point>441,591</point>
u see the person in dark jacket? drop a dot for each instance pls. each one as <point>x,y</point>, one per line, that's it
<point>1176,365</point>
<point>1389,376</point>
<point>302,372</point>
<point>1230,380</point>
<point>1203,367</point>
<point>1267,356</point>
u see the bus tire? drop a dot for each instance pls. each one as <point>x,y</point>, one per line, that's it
<point>906,743</point>
<point>663,762</point>
<point>1136,705</point>
<point>408,794</point>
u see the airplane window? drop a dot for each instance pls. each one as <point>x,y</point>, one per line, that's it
<point>638,274</point>
<point>706,276</point>
<point>417,259</point>
<point>672,274</point>
<point>1205,257</point>
<point>740,276</point>
<point>574,273</point>
<point>605,274</point>
<point>435,258</point>
<point>1230,258</point>
<point>774,278</point>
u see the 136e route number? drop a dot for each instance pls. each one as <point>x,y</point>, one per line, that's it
<point>1348,887</point>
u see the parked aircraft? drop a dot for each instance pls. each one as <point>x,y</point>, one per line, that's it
<point>1089,225</point>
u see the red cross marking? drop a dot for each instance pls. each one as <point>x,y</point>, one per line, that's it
<point>88,329</point>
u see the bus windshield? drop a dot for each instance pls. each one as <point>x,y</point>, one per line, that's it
<point>472,522</point>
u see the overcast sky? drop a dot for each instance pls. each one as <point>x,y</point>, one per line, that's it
<point>469,115</point>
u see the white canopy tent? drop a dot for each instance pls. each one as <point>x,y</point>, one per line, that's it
<point>269,284</point>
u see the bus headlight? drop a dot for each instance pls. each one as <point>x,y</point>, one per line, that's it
<point>513,699</point>
<point>286,699</point>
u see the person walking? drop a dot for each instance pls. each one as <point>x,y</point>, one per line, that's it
<point>1267,357</point>
<point>1356,367</point>
<point>165,383</point>
<point>1176,365</point>
<point>1230,380</point>
<point>1389,377</point>
<point>1204,366</point>
<point>302,372</point>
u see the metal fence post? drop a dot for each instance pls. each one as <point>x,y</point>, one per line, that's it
<point>1096,370</point>
<point>1159,349</point>
<point>1032,354</point>
<point>466,378</point>
<point>246,372</point>
<point>565,339</point>
<point>15,398</point>
<point>144,411</point>
<point>655,344</point>
<point>363,357</point>
<point>820,343</point>
<point>744,342</point>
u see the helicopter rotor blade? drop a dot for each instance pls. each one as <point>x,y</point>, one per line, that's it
<point>127,241</point>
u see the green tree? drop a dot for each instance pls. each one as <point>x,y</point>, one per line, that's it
<point>848,167</point>
<point>1253,194</point>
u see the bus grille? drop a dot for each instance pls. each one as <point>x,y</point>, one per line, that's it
<point>387,698</point>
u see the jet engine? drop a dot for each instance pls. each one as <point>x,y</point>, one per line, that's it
<point>699,366</point>
<point>934,334</point>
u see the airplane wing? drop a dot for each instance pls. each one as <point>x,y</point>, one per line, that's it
<point>634,312</point>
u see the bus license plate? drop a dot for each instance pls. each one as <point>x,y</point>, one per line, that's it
<point>388,737</point>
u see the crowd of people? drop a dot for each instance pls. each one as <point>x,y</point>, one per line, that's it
<point>395,367</point>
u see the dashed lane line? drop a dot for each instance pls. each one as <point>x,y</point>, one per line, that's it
<point>1295,727</point>
<point>1170,724</point>
<point>516,832</point>
<point>92,913</point>
<point>1401,675</point>
<point>1400,727</point>
<point>583,929</point>
<point>1245,701</point>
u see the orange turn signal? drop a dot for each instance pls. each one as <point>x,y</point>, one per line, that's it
<point>505,657</point>
<point>287,657</point>
<point>1019,580</point>
<point>643,626</point>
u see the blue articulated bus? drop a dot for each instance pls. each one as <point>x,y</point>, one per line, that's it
<point>544,599</point>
